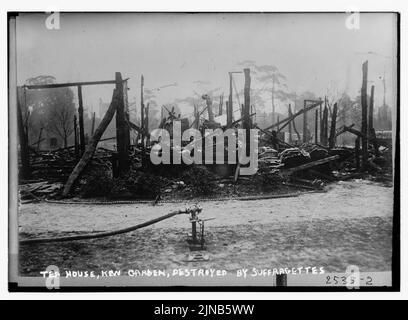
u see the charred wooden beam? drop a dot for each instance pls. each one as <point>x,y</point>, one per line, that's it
<point>93,123</point>
<point>285,121</point>
<point>220,105</point>
<point>81,121</point>
<point>325,125</point>
<point>68,84</point>
<point>24,148</point>
<point>344,129</point>
<point>147,122</point>
<point>364,107</point>
<point>126,109</point>
<point>121,128</point>
<point>371,111</point>
<point>87,156</point>
<point>76,137</point>
<point>332,138</point>
<point>316,124</point>
<point>305,124</point>
<point>321,121</point>
<point>229,105</point>
<point>290,125</point>
<point>246,123</point>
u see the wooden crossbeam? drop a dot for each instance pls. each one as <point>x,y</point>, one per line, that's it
<point>288,119</point>
<point>69,84</point>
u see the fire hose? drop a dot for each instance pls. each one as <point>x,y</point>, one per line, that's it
<point>110,233</point>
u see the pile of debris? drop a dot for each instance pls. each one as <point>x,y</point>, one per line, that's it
<point>58,164</point>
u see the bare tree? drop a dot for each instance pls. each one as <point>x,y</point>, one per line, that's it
<point>61,114</point>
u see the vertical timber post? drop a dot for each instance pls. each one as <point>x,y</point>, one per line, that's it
<point>221,104</point>
<point>305,137</point>
<point>325,124</point>
<point>290,125</point>
<point>76,138</point>
<point>320,121</point>
<point>247,103</point>
<point>24,150</point>
<point>196,117</point>
<point>371,112</point>
<point>121,126</point>
<point>93,124</point>
<point>142,116</point>
<point>364,140</point>
<point>81,120</point>
<point>332,139</point>
<point>273,99</point>
<point>147,122</point>
<point>229,105</point>
<point>316,125</point>
<point>126,109</point>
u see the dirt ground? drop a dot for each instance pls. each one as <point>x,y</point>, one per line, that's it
<point>349,224</point>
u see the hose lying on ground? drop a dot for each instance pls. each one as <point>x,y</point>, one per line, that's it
<point>109,233</point>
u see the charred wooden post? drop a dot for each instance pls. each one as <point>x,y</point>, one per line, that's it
<point>147,122</point>
<point>93,124</point>
<point>142,116</point>
<point>273,98</point>
<point>91,147</point>
<point>325,125</point>
<point>364,131</point>
<point>290,125</point>
<point>24,149</point>
<point>305,135</point>
<point>332,139</point>
<point>246,123</point>
<point>76,137</point>
<point>321,120</point>
<point>357,152</point>
<point>209,104</point>
<point>121,128</point>
<point>277,129</point>
<point>220,105</point>
<point>126,103</point>
<point>316,124</point>
<point>81,120</point>
<point>371,111</point>
<point>229,105</point>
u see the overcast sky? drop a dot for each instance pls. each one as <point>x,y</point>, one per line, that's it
<point>316,52</point>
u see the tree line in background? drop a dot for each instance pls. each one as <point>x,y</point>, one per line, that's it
<point>49,113</point>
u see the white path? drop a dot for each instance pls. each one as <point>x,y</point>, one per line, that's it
<point>344,200</point>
